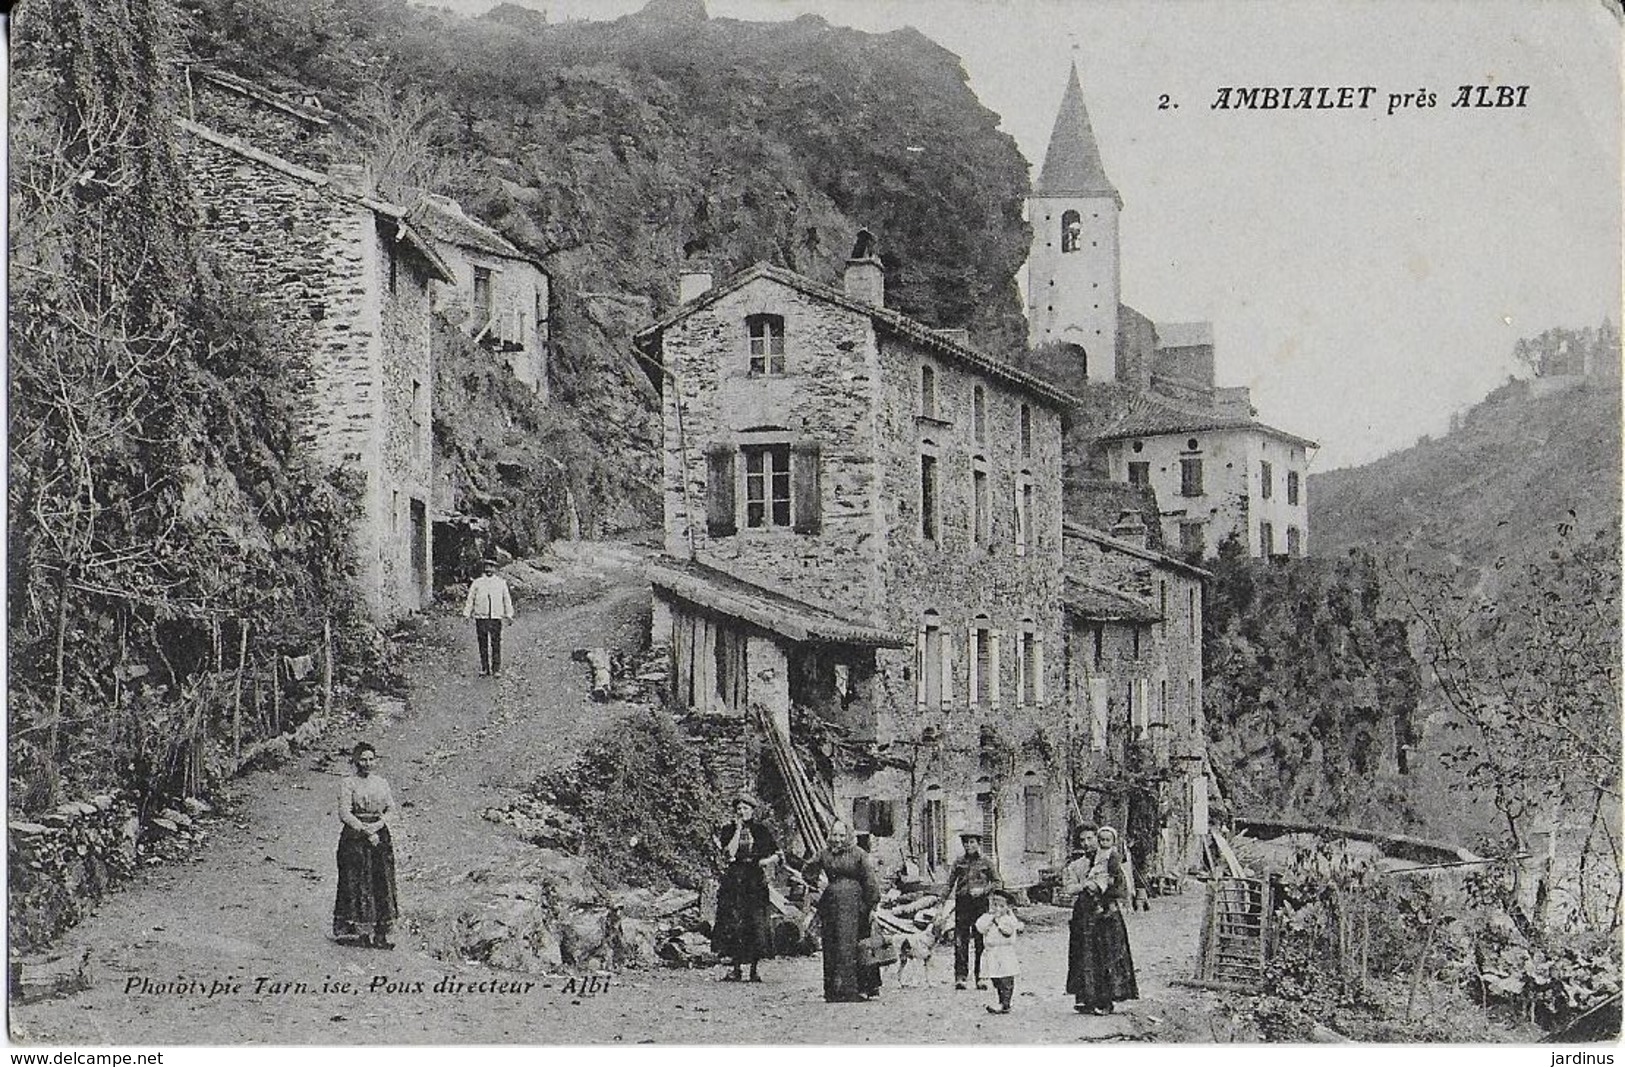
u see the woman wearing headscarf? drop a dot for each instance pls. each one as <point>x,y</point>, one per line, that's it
<point>848,894</point>
<point>1099,969</point>
<point>741,930</point>
<point>365,907</point>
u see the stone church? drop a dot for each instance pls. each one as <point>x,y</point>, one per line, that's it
<point>1217,472</point>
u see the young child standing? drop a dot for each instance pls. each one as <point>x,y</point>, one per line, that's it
<point>999,928</point>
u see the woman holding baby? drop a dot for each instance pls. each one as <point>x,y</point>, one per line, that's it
<point>1100,968</point>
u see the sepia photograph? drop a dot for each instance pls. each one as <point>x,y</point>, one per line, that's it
<point>813,522</point>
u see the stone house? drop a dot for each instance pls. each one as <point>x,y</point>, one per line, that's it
<point>346,277</point>
<point>1134,679</point>
<point>863,537</point>
<point>500,297</point>
<point>1215,475</point>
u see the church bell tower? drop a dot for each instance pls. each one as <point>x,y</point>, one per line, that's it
<point>1072,272</point>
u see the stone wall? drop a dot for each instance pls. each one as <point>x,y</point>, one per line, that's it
<point>519,290</point>
<point>263,119</point>
<point>311,254</point>
<point>826,396</point>
<point>405,385</point>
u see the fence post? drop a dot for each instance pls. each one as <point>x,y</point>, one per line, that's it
<point>327,666</point>
<point>237,697</point>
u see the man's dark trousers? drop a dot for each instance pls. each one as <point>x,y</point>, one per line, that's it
<point>966,911</point>
<point>488,632</point>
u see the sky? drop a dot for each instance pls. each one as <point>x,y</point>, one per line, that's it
<point>1366,274</point>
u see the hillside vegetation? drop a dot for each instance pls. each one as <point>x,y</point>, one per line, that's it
<point>616,152</point>
<point>1513,466</point>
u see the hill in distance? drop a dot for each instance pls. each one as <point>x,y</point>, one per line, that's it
<point>1498,484</point>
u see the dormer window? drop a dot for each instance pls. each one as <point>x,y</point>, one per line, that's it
<point>766,343</point>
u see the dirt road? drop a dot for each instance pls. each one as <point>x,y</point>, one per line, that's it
<point>233,945</point>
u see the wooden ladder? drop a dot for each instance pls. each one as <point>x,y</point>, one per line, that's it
<point>1235,934</point>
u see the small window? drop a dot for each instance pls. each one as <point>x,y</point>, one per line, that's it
<point>978,403</point>
<point>934,832</point>
<point>984,661</point>
<point>1139,472</point>
<point>1266,539</point>
<point>931,690</point>
<point>1030,690</point>
<point>1023,501</point>
<point>1190,477</point>
<point>1191,540</point>
<point>1026,430</point>
<point>1071,231</point>
<point>1100,645</point>
<point>766,343</point>
<point>1035,818</point>
<point>482,295</point>
<point>928,497</point>
<point>1135,631</point>
<point>882,818</point>
<point>1266,481</point>
<point>928,392</point>
<point>981,503</point>
<point>1291,487</point>
<point>767,486</point>
<point>1294,542</point>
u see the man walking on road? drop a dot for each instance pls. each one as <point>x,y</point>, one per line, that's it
<point>489,605</point>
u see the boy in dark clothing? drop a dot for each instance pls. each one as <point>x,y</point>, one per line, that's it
<point>973,877</point>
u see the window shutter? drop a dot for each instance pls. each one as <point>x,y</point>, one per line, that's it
<point>720,520</point>
<point>993,667</point>
<point>919,668</point>
<point>973,653</point>
<point>1038,669</point>
<point>1021,668</point>
<point>947,669</point>
<point>806,491</point>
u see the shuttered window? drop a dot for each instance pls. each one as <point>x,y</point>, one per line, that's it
<point>719,491</point>
<point>807,491</point>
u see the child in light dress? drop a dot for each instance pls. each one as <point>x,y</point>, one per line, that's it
<point>999,928</point>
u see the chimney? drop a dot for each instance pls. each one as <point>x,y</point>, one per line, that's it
<point>693,281</point>
<point>865,279</point>
<point>1130,527</point>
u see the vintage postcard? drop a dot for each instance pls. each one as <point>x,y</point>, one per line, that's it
<point>808,522</point>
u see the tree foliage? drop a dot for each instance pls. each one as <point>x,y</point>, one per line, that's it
<point>156,490</point>
<point>1526,658</point>
<point>1310,694</point>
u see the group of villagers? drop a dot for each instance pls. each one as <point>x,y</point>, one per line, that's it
<point>1100,967</point>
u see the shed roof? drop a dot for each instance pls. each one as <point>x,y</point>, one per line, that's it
<point>444,219</point>
<point>1150,555</point>
<point>765,608</point>
<point>1154,418</point>
<point>883,318</point>
<point>1098,603</point>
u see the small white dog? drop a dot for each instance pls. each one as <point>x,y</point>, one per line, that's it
<point>918,947</point>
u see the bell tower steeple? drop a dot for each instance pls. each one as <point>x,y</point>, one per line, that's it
<point>1073,269</point>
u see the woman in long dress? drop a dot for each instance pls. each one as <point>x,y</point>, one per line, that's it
<point>365,906</point>
<point>741,931</point>
<point>1100,969</point>
<point>846,905</point>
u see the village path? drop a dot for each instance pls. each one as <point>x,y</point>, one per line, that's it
<point>248,913</point>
